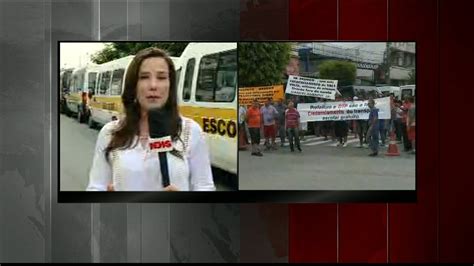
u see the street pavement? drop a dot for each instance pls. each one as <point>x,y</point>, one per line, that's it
<point>322,165</point>
<point>76,150</point>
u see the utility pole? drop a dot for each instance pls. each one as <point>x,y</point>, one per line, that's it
<point>388,61</point>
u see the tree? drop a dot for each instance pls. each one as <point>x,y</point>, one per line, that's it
<point>105,55</point>
<point>121,49</point>
<point>262,64</point>
<point>342,71</point>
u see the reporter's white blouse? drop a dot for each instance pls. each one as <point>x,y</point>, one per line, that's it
<point>138,168</point>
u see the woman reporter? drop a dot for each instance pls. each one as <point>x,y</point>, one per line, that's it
<point>123,156</point>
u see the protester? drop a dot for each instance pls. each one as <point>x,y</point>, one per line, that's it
<point>411,123</point>
<point>393,115</point>
<point>280,107</point>
<point>373,131</point>
<point>254,124</point>
<point>269,115</point>
<point>292,121</point>
<point>406,142</point>
<point>303,126</point>
<point>341,129</point>
<point>242,126</point>
<point>318,125</point>
<point>386,124</point>
<point>361,126</point>
<point>398,120</point>
<point>382,131</point>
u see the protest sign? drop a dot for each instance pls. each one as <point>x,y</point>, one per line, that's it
<point>262,93</point>
<point>349,110</point>
<point>302,86</point>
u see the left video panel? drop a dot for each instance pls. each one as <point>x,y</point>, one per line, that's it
<point>146,117</point>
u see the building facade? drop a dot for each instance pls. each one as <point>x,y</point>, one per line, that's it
<point>401,60</point>
<point>312,55</point>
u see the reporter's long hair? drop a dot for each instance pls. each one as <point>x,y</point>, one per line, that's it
<point>122,138</point>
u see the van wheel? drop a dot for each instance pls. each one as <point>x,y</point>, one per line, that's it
<point>91,122</point>
<point>85,116</point>
<point>62,110</point>
<point>68,112</point>
<point>80,116</point>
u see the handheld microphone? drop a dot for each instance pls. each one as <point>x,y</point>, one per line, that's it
<point>159,127</point>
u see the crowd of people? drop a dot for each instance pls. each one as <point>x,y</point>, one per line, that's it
<point>284,119</point>
<point>270,119</point>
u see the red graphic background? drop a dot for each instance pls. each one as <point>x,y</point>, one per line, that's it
<point>439,227</point>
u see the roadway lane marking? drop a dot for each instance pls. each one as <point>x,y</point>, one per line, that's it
<point>348,142</point>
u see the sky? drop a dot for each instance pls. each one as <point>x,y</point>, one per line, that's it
<point>78,54</point>
<point>378,47</point>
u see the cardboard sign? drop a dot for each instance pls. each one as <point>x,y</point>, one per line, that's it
<point>248,94</point>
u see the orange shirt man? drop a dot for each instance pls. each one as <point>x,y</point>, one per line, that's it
<point>254,124</point>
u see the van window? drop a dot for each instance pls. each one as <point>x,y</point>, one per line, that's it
<point>188,79</point>
<point>117,78</point>
<point>104,83</point>
<point>72,84</point>
<point>91,80</point>
<point>66,80</point>
<point>77,82</point>
<point>178,74</point>
<point>217,79</point>
<point>97,84</point>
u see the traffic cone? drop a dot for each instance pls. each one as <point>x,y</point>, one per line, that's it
<point>393,147</point>
<point>242,140</point>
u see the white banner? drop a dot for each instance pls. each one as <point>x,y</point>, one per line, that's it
<point>322,88</point>
<point>350,110</point>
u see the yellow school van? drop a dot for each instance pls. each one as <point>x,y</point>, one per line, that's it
<point>105,104</point>
<point>207,93</point>
<point>64,83</point>
<point>83,81</point>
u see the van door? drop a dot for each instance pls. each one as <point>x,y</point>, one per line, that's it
<point>100,99</point>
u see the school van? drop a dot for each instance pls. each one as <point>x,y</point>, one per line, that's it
<point>64,83</point>
<point>105,104</point>
<point>82,82</point>
<point>207,93</point>
<point>387,90</point>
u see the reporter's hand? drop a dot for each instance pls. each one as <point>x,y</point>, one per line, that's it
<point>171,188</point>
<point>110,187</point>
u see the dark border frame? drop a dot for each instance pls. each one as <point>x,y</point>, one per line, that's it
<point>241,196</point>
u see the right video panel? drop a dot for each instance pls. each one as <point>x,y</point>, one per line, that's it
<point>332,116</point>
